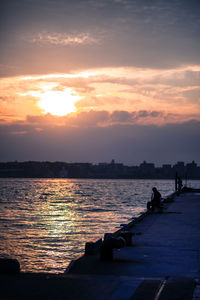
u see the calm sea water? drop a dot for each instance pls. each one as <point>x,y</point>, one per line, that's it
<point>45,223</point>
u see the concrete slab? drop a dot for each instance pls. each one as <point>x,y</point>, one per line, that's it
<point>148,289</point>
<point>178,289</point>
<point>168,245</point>
<point>70,287</point>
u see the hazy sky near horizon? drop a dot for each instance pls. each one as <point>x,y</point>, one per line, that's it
<point>91,81</point>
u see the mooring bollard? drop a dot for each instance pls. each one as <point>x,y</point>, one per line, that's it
<point>106,250</point>
<point>89,248</point>
<point>92,247</point>
<point>9,266</point>
<point>108,236</point>
<point>127,235</point>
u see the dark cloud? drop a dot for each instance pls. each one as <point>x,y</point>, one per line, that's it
<point>130,144</point>
<point>88,119</point>
<point>98,118</point>
<point>121,116</point>
<point>94,118</point>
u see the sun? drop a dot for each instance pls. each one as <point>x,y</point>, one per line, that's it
<point>58,103</point>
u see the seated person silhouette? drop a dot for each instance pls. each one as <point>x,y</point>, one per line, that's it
<point>155,202</point>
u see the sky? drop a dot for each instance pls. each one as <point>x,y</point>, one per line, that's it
<point>96,80</point>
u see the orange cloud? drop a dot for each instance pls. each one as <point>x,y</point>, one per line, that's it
<point>175,92</point>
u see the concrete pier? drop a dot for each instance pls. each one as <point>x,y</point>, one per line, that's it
<point>163,263</point>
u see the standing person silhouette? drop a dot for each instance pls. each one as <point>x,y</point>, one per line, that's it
<point>180,184</point>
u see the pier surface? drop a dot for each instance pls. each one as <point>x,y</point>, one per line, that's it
<point>163,263</point>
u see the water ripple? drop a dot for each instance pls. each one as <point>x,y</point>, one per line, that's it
<point>45,223</point>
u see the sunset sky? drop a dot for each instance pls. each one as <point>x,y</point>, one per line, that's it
<point>96,80</point>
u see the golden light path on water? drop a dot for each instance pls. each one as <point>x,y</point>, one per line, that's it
<point>45,223</point>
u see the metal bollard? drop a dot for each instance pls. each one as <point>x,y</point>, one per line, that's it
<point>127,235</point>
<point>89,248</point>
<point>108,236</point>
<point>92,247</point>
<point>9,266</point>
<point>106,250</point>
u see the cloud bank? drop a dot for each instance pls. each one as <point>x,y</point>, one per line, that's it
<point>127,143</point>
<point>174,92</point>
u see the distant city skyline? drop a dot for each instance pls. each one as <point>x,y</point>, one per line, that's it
<point>112,161</point>
<point>101,170</point>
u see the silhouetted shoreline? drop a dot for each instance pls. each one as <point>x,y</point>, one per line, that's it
<point>112,170</point>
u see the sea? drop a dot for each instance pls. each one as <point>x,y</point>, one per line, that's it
<point>45,223</point>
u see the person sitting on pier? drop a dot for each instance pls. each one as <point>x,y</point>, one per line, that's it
<point>155,200</point>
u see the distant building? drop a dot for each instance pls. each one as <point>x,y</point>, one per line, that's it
<point>110,170</point>
<point>192,171</point>
<point>179,168</point>
<point>147,169</point>
<point>166,171</point>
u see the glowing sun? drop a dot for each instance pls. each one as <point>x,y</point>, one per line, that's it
<point>58,103</point>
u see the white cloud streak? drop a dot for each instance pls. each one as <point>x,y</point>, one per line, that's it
<point>62,39</point>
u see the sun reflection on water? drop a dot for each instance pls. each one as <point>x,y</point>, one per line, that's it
<point>46,222</point>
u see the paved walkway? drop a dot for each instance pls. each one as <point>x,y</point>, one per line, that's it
<point>165,244</point>
<point>163,263</point>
